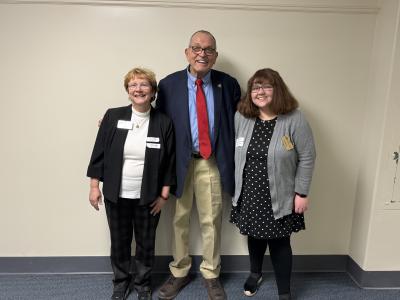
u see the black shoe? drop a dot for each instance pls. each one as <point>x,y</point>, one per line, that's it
<point>285,297</point>
<point>120,295</point>
<point>144,294</point>
<point>122,290</point>
<point>252,284</point>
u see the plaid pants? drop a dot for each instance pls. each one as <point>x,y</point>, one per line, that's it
<point>124,218</point>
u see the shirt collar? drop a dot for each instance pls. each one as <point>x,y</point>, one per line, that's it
<point>206,79</point>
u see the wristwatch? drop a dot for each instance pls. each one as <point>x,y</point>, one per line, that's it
<point>301,195</point>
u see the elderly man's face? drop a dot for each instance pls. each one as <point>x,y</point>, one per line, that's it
<point>201,54</point>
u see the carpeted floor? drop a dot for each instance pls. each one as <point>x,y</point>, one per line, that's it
<point>98,286</point>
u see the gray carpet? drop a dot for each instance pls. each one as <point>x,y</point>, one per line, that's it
<point>98,286</point>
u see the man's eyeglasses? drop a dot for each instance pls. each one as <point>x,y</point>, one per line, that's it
<point>255,88</point>
<point>207,51</point>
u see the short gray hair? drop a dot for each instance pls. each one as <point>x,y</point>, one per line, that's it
<point>205,32</point>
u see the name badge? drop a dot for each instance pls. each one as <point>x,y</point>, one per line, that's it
<point>240,142</point>
<point>153,145</point>
<point>153,139</point>
<point>287,143</point>
<point>122,124</point>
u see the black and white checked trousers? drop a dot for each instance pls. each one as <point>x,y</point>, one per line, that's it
<point>124,218</point>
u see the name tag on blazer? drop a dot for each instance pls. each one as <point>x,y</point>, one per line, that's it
<point>153,145</point>
<point>122,124</point>
<point>240,142</point>
<point>287,143</point>
<point>153,139</point>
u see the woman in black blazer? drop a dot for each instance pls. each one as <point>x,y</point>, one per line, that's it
<point>134,157</point>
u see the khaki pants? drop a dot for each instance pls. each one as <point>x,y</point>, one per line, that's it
<point>203,182</point>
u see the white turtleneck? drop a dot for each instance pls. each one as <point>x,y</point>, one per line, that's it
<point>134,150</point>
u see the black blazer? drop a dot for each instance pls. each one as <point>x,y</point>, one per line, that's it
<point>107,156</point>
<point>173,98</point>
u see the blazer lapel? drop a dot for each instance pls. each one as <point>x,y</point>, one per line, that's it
<point>120,134</point>
<point>217,90</point>
<point>154,131</point>
<point>183,104</point>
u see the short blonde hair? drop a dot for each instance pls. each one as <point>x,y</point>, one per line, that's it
<point>141,73</point>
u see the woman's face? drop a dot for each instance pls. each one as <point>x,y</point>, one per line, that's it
<point>261,94</point>
<point>140,92</point>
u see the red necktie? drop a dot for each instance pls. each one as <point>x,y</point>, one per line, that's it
<point>202,121</point>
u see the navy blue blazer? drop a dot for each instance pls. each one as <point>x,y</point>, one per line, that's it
<point>107,157</point>
<point>173,99</point>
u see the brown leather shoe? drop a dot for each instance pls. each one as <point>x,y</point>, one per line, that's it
<point>214,289</point>
<point>171,288</point>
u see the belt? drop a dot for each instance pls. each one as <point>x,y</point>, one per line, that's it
<point>196,155</point>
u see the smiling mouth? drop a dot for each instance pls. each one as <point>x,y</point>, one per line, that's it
<point>139,95</point>
<point>202,61</point>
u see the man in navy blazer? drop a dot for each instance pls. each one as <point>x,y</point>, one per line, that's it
<point>200,178</point>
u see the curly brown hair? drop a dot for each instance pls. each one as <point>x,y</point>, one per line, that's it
<point>282,100</point>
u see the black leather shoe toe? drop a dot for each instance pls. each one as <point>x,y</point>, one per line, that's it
<point>121,295</point>
<point>118,295</point>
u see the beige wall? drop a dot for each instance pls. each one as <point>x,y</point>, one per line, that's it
<point>376,219</point>
<point>62,66</point>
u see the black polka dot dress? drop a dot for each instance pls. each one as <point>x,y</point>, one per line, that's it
<point>253,214</point>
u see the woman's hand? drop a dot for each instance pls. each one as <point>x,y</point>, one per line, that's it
<point>95,197</point>
<point>300,204</point>
<point>157,205</point>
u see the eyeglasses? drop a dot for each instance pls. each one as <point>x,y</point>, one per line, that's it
<point>266,87</point>
<point>135,86</point>
<point>207,51</point>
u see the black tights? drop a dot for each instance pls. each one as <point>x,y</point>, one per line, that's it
<point>281,257</point>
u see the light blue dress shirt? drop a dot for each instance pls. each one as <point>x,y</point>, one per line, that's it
<point>208,92</point>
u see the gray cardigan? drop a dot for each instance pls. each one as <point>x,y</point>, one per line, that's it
<point>289,170</point>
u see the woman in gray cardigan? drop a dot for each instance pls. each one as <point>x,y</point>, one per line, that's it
<point>274,162</point>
